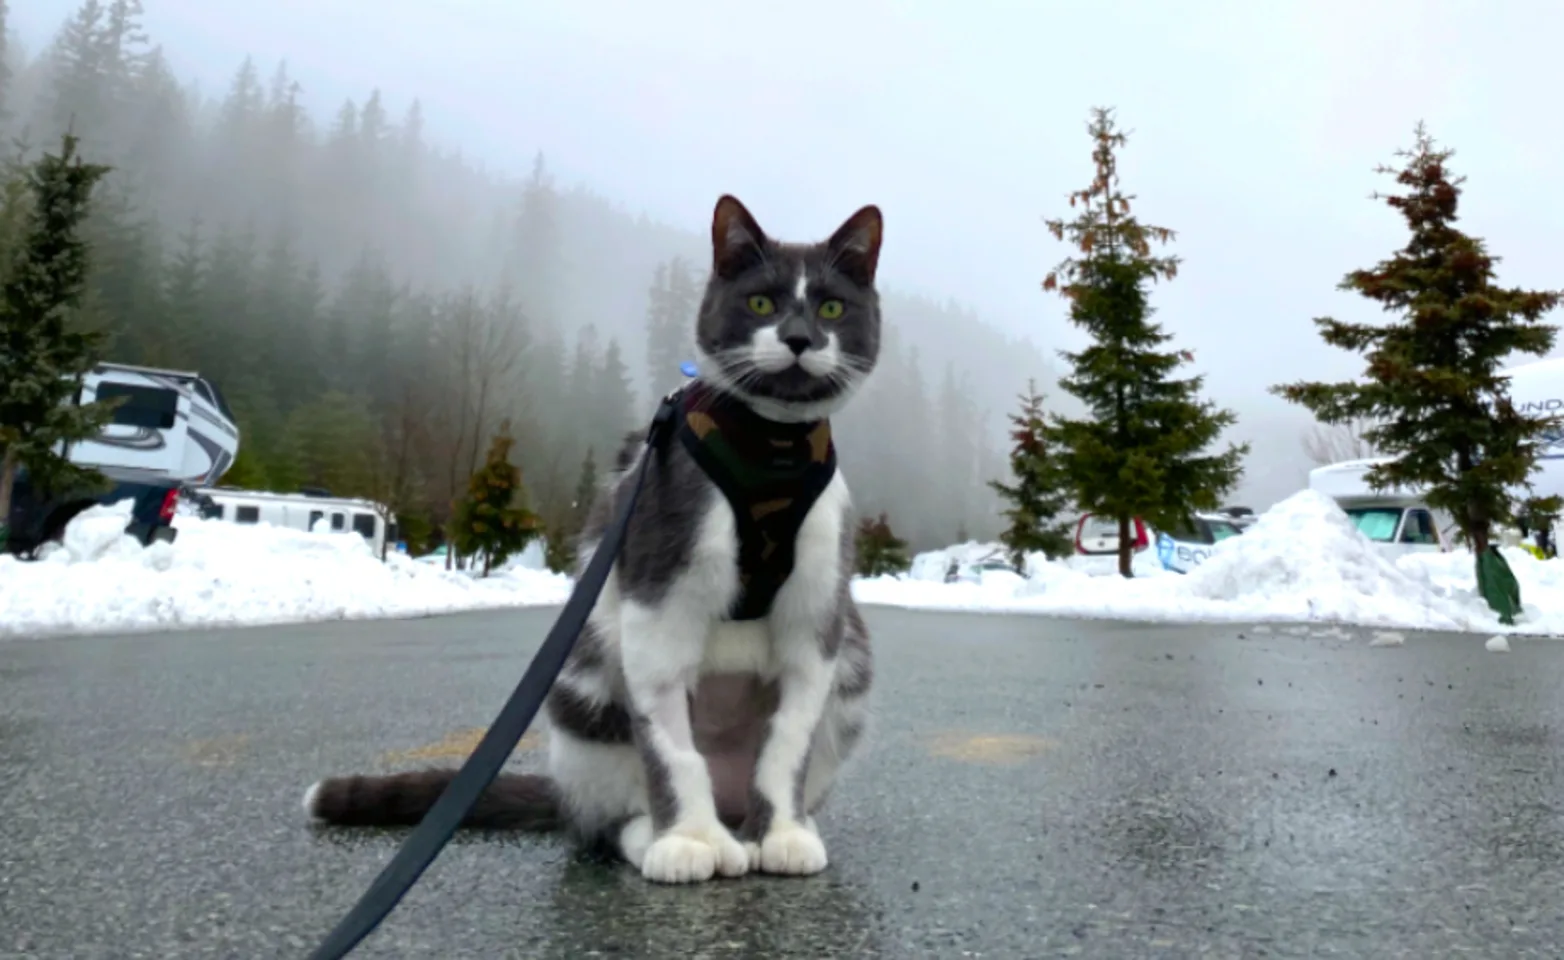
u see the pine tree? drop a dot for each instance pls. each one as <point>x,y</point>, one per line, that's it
<point>490,520</point>
<point>43,357</point>
<point>1036,496</point>
<point>1142,451</point>
<point>1438,405</point>
<point>880,551</point>
<point>565,530</point>
<point>672,303</point>
<point>613,407</point>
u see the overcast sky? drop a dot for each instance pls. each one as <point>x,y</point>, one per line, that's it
<point>1255,130</point>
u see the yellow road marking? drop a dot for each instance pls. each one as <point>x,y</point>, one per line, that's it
<point>990,748</point>
<point>456,746</point>
<point>216,751</point>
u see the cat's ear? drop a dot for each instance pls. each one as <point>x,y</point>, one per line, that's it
<point>855,246</point>
<point>736,239</point>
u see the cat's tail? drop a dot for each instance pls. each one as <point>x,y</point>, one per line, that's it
<point>514,801</point>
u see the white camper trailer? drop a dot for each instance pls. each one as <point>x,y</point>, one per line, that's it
<point>172,425</point>
<point>1396,521</point>
<point>304,511</point>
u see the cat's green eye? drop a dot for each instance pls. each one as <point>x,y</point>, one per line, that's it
<point>761,305</point>
<point>831,310</point>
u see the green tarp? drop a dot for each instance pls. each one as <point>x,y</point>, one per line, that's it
<point>1497,584</point>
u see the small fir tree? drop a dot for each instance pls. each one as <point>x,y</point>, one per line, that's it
<point>564,533</point>
<point>880,551</point>
<point>1143,449</point>
<point>1437,404</point>
<point>43,355</point>
<point>1037,496</point>
<point>489,520</point>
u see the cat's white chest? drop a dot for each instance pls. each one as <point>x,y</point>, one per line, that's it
<point>808,594</point>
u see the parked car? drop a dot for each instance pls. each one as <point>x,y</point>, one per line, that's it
<point>36,519</point>
<point>1179,550</point>
<point>1185,547</point>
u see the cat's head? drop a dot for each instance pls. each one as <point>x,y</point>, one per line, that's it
<point>792,329</point>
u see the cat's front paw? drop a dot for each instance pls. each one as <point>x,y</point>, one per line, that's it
<point>793,849</point>
<point>681,856</point>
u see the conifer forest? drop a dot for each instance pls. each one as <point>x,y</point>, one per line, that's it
<point>375,304</point>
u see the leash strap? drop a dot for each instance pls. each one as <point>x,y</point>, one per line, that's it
<point>435,830</point>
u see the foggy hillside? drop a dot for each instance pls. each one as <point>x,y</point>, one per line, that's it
<point>333,273</point>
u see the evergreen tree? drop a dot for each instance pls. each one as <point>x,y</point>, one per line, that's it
<point>1142,451</point>
<point>490,520</point>
<point>1036,497</point>
<point>613,409</point>
<point>564,532</point>
<point>43,357</point>
<point>5,60</point>
<point>880,551</point>
<point>1437,404</point>
<point>672,303</point>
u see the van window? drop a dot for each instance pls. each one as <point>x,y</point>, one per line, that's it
<point>143,406</point>
<point>315,515</point>
<point>339,522</point>
<point>1419,528</point>
<point>247,514</point>
<point>1376,523</point>
<point>364,525</point>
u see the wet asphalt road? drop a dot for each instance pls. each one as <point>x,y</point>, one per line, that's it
<point>1035,788</point>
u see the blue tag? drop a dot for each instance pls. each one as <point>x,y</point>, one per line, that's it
<point>687,368</point>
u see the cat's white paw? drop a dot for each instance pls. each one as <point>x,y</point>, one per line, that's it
<point>793,849</point>
<point>691,857</point>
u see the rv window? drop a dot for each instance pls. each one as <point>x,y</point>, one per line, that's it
<point>247,514</point>
<point>364,525</point>
<point>338,522</point>
<point>1376,523</point>
<point>143,406</point>
<point>315,516</point>
<point>1419,528</point>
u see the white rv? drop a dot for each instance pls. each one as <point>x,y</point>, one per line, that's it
<point>304,511</point>
<point>172,425</point>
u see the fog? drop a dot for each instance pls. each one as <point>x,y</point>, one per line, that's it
<point>1255,130</point>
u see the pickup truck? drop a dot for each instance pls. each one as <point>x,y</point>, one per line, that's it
<point>36,520</point>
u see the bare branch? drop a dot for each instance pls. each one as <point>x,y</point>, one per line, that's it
<point>1325,444</point>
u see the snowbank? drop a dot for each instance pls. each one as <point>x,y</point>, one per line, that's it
<point>1302,561</point>
<point>225,574</point>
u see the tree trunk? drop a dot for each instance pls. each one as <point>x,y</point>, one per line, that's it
<point>1126,548</point>
<point>7,486</point>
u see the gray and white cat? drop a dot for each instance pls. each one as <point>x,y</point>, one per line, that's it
<point>723,678</point>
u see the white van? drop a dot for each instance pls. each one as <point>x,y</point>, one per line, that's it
<point>1397,521</point>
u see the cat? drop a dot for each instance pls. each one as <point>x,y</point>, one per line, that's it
<point>723,678</point>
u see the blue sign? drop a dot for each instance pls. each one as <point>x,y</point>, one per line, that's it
<point>687,368</point>
<point>1165,550</point>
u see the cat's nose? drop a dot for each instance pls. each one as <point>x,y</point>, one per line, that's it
<point>797,343</point>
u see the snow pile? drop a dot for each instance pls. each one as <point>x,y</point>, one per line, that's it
<point>223,574</point>
<point>1302,561</point>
